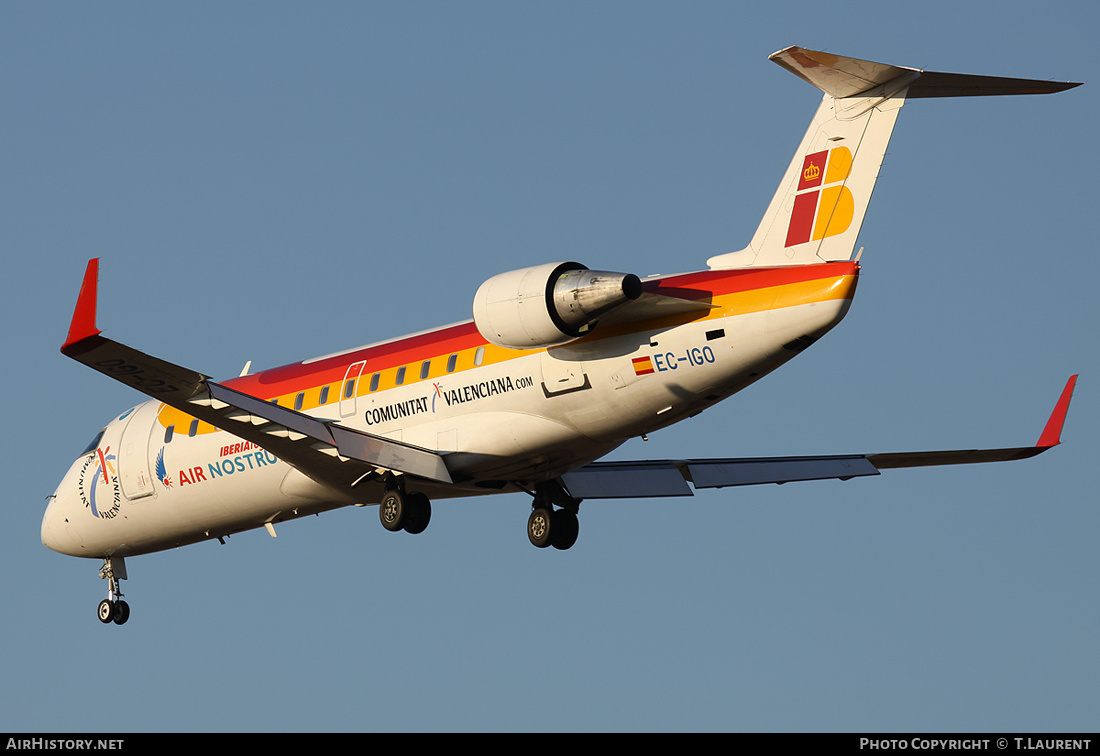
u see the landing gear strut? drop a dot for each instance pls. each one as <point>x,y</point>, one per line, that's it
<point>399,510</point>
<point>553,527</point>
<point>113,608</point>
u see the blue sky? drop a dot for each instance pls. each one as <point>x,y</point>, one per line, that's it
<point>271,181</point>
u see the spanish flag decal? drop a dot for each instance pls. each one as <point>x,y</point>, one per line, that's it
<point>823,206</point>
<point>642,365</point>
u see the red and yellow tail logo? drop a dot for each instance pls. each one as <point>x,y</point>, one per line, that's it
<point>823,206</point>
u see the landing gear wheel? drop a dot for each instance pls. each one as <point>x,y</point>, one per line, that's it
<point>106,611</point>
<point>392,510</point>
<point>540,527</point>
<point>418,513</point>
<point>564,529</point>
<point>121,613</point>
<point>550,526</point>
<point>113,608</point>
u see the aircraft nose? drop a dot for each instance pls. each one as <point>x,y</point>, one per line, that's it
<point>52,530</point>
<point>49,539</point>
<point>58,529</point>
<point>57,533</point>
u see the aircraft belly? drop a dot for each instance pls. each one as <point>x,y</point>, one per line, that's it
<point>496,422</point>
<point>520,445</point>
<point>656,378</point>
<point>220,484</point>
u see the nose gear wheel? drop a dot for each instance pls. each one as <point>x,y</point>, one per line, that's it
<point>113,608</point>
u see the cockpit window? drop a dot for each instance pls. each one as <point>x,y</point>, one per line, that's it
<point>95,442</point>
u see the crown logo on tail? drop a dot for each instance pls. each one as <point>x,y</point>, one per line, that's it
<point>823,205</point>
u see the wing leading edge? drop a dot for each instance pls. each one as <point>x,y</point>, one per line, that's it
<point>326,451</point>
<point>669,477</point>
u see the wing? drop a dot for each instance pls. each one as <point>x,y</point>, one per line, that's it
<point>671,477</point>
<point>324,450</point>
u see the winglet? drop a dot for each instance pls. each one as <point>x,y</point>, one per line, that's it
<point>1053,430</point>
<point>83,325</point>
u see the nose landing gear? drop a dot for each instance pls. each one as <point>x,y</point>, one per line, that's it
<point>113,608</point>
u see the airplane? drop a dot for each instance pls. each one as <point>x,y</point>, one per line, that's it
<point>559,366</point>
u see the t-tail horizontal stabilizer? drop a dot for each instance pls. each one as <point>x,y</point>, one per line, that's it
<point>818,209</point>
<point>841,77</point>
<point>670,477</point>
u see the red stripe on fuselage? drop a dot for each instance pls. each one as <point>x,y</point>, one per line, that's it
<point>702,285</point>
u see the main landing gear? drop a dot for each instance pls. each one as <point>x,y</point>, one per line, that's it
<point>400,510</point>
<point>113,608</point>
<point>553,520</point>
<point>553,527</point>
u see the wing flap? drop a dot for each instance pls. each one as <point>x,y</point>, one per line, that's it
<point>284,417</point>
<point>749,472</point>
<point>627,480</point>
<point>668,477</point>
<point>388,454</point>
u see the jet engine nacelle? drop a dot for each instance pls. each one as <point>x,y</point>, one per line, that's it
<point>548,304</point>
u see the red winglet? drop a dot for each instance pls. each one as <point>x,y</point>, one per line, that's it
<point>83,325</point>
<point>1053,429</point>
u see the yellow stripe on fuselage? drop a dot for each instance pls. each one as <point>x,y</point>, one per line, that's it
<point>725,305</point>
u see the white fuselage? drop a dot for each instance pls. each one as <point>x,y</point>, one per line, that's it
<point>523,417</point>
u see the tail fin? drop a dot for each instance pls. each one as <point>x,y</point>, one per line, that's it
<point>818,209</point>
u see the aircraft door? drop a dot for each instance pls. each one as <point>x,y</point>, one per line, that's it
<point>133,453</point>
<point>349,388</point>
<point>561,375</point>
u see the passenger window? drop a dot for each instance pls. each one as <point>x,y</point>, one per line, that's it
<point>194,429</point>
<point>479,356</point>
<point>168,433</point>
<point>424,368</point>
<point>451,362</point>
<point>374,381</point>
<point>349,389</point>
<point>324,395</point>
<point>298,400</point>
<point>400,375</point>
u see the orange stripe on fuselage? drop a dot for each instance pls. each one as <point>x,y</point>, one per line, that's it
<point>734,292</point>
